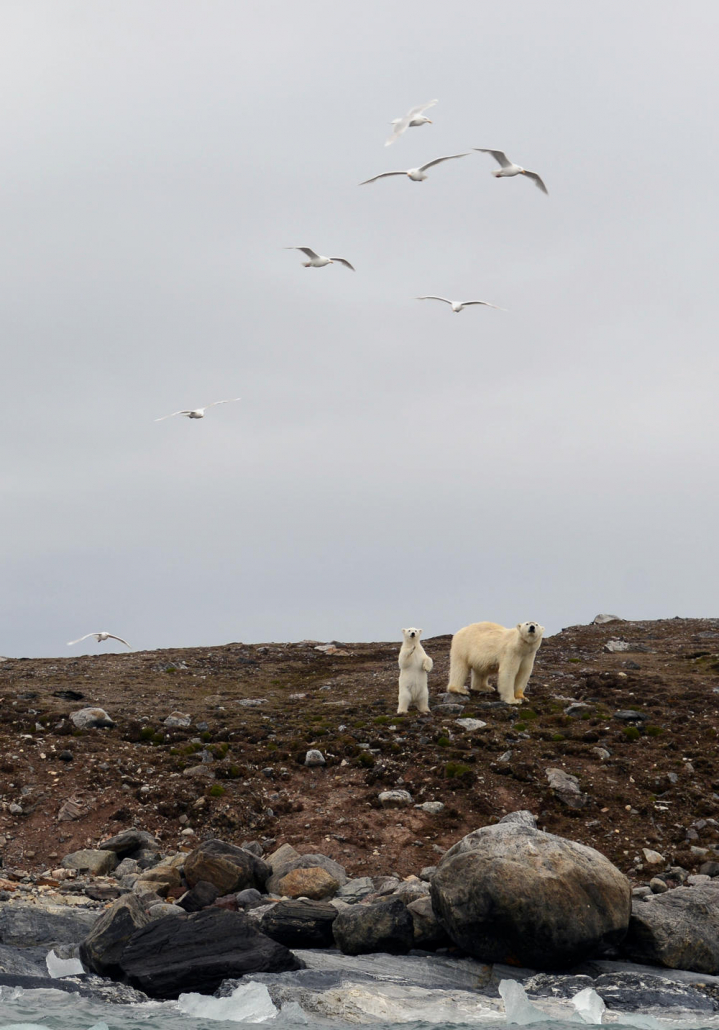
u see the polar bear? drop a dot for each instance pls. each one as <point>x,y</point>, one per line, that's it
<point>414,664</point>
<point>486,648</point>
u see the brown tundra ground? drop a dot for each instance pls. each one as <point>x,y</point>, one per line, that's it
<point>258,708</point>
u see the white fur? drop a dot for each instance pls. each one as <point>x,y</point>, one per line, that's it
<point>414,664</point>
<point>486,648</point>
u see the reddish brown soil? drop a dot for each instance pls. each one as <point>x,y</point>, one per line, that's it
<point>348,700</point>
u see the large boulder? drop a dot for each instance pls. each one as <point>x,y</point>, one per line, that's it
<point>197,951</point>
<point>89,860</point>
<point>128,841</point>
<point>514,894</point>
<point>429,933</point>
<point>281,869</point>
<point>300,924</point>
<point>315,883</point>
<point>101,949</point>
<point>226,866</point>
<point>382,926</point>
<point>679,929</point>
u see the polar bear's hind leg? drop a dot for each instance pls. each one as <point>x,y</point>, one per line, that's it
<point>480,681</point>
<point>458,672</point>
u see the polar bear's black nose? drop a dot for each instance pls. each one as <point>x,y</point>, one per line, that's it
<point>531,629</point>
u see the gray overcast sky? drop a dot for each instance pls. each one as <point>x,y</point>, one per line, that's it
<point>390,463</point>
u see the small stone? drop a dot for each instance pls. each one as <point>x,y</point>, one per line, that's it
<point>395,799</point>
<point>653,858</point>
<point>471,725</point>
<point>627,715</point>
<point>600,620</point>
<point>15,809</point>
<point>199,772</point>
<point>641,892</point>
<point>709,868</point>
<point>601,753</point>
<point>187,832</point>
<point>615,646</point>
<point>89,718</point>
<point>314,758</point>
<point>698,878</point>
<point>657,885</point>
<point>178,720</point>
<point>431,807</point>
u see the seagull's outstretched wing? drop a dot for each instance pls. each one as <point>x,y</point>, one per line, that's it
<point>80,639</point>
<point>537,181</point>
<point>343,261</point>
<point>305,250</point>
<point>485,303</point>
<point>432,297</point>
<point>231,400</point>
<point>185,411</point>
<point>401,124</point>
<point>112,635</point>
<point>439,160</point>
<point>499,156</point>
<point>382,175</point>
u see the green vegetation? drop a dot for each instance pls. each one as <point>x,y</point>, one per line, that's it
<point>206,736</point>
<point>654,731</point>
<point>366,759</point>
<point>631,733</point>
<point>528,714</point>
<point>455,770</point>
<point>216,791</point>
<point>557,736</point>
<point>443,742</point>
<point>147,733</point>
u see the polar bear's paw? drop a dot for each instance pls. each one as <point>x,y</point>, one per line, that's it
<point>458,690</point>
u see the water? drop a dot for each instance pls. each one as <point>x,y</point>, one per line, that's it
<point>380,991</point>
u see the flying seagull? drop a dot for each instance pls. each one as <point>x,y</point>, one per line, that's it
<point>414,117</point>
<point>318,260</point>
<point>102,635</point>
<point>196,412</point>
<point>507,168</point>
<point>415,174</point>
<point>457,305</point>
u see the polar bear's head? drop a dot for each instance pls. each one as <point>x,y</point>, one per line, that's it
<point>411,635</point>
<point>530,632</point>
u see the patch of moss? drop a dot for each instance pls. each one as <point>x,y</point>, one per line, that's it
<point>443,742</point>
<point>382,720</point>
<point>654,731</point>
<point>528,714</point>
<point>557,736</point>
<point>206,736</point>
<point>158,738</point>
<point>520,727</point>
<point>147,733</point>
<point>454,770</point>
<point>216,791</point>
<point>574,660</point>
<point>366,759</point>
<point>631,733</point>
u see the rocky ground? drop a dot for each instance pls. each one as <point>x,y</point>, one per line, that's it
<point>616,749</point>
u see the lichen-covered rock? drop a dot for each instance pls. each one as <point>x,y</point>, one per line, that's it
<point>315,884</point>
<point>511,893</point>
<point>226,866</point>
<point>280,870</point>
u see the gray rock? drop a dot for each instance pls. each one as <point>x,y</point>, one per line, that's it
<point>97,863</point>
<point>128,867</point>
<point>249,898</point>
<point>280,858</point>
<point>632,992</point>
<point>600,620</point>
<point>430,807</point>
<point>162,909</point>
<point>567,788</point>
<point>429,933</point>
<point>523,816</point>
<point>641,892</point>
<point>382,926</point>
<point>315,757</point>
<point>200,896</point>
<point>709,868</point>
<point>28,925</point>
<point>306,862</point>
<point>410,890</point>
<point>395,799</point>
<point>254,847</point>
<point>512,893</point>
<point>697,879</point>
<point>129,841</point>
<point>601,753</point>
<point>657,886</point>
<point>91,718</point>
<point>628,715</point>
<point>22,962</point>
<point>471,725</point>
<point>679,929</point>
<point>356,889</point>
<point>178,720</point>
<point>427,872</point>
<point>616,646</point>
<point>101,949</point>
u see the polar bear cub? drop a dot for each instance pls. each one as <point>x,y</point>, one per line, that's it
<point>485,648</point>
<point>414,664</point>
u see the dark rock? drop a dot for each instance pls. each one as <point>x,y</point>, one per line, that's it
<point>429,933</point>
<point>249,898</point>
<point>511,893</point>
<point>146,858</point>
<point>102,948</point>
<point>24,926</point>
<point>385,925</point>
<point>196,952</point>
<point>22,962</point>
<point>627,715</point>
<point>99,988</point>
<point>128,841</point>
<point>253,846</point>
<point>679,929</point>
<point>709,868</point>
<point>228,867</point>
<point>228,902</point>
<point>202,895</point>
<point>547,985</point>
<point>633,992</point>
<point>68,695</point>
<point>300,924</point>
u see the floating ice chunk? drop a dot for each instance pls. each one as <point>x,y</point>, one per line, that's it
<point>292,1012</point>
<point>58,967</point>
<point>248,1003</point>
<point>634,1019</point>
<point>517,1006</point>
<point>589,1005</point>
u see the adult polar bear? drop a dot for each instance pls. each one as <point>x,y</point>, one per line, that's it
<point>486,648</point>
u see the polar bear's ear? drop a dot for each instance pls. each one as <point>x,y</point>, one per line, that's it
<point>519,626</point>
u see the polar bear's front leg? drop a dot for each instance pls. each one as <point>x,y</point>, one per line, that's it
<point>523,674</point>
<point>508,670</point>
<point>427,664</point>
<point>458,672</point>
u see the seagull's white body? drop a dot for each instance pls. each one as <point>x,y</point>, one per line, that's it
<point>411,120</point>
<point>508,168</point>
<point>196,412</point>
<point>100,637</point>
<point>415,174</point>
<point>319,260</point>
<point>457,305</point>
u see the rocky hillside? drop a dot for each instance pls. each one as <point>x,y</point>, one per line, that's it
<point>616,747</point>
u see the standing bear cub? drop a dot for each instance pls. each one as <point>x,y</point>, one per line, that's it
<point>414,664</point>
<point>486,648</point>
